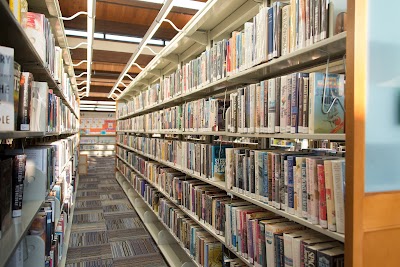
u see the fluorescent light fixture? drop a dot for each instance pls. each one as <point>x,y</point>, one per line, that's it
<point>87,109</point>
<point>83,34</point>
<point>103,109</point>
<point>111,103</point>
<point>131,39</point>
<point>98,106</point>
<point>189,4</point>
<point>165,9</point>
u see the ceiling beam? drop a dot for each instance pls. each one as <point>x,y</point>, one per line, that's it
<point>114,46</point>
<point>113,27</point>
<point>106,67</point>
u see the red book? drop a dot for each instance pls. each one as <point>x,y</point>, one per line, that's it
<point>322,196</point>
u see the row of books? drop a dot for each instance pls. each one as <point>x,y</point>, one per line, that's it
<point>54,175</point>
<point>308,184</point>
<point>261,237</point>
<point>38,29</point>
<point>277,30</point>
<point>296,103</point>
<point>199,244</point>
<point>30,105</point>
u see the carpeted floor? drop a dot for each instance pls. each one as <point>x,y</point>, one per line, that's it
<point>106,230</point>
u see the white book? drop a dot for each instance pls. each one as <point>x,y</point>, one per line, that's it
<point>330,196</point>
<point>338,173</point>
<point>271,105</point>
<point>39,106</point>
<point>7,116</point>
<point>285,43</point>
<point>284,104</point>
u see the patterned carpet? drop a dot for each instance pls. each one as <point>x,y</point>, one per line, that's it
<point>106,231</point>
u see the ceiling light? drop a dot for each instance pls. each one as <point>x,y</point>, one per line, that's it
<point>83,34</point>
<point>112,103</point>
<point>86,108</point>
<point>103,109</point>
<point>131,39</point>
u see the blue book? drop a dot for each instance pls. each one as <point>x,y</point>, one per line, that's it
<point>295,100</point>
<point>218,159</point>
<point>270,32</point>
<point>291,161</point>
<point>265,189</point>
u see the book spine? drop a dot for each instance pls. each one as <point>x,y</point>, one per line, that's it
<point>278,183</point>
<point>311,105</point>
<point>292,25</point>
<point>305,105</point>
<point>338,178</point>
<point>19,164</point>
<point>290,185</point>
<point>271,105</point>
<point>317,20</point>
<point>286,175</point>
<point>265,184</point>
<point>304,187</point>
<point>7,119</point>
<point>283,105</point>
<point>24,107</point>
<point>285,49</point>
<point>300,104</point>
<point>322,196</point>
<point>314,193</point>
<point>289,103</point>
<point>277,104</point>
<point>265,88</point>
<point>330,196</point>
<point>270,33</point>
<point>294,104</point>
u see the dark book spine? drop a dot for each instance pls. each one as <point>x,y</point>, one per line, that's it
<point>252,172</point>
<point>310,257</point>
<point>24,107</point>
<point>19,163</point>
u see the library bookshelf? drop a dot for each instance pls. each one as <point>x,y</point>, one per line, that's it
<point>36,191</point>
<point>196,37</point>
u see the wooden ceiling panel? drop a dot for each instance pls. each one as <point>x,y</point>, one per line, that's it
<point>106,67</point>
<point>108,13</point>
<point>110,57</point>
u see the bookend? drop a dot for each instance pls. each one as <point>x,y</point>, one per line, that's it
<point>35,250</point>
<point>165,238</point>
<point>149,217</point>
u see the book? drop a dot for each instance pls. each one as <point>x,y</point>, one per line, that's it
<point>326,103</point>
<point>5,194</point>
<point>331,257</point>
<point>35,30</point>
<point>339,178</point>
<point>24,108</point>
<point>18,178</point>
<point>7,89</point>
<point>330,196</point>
<point>17,78</point>
<point>39,106</point>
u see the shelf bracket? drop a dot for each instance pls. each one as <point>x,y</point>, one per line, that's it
<point>172,24</point>
<point>137,65</point>
<point>129,76</point>
<point>155,72</point>
<point>80,75</point>
<point>117,89</point>
<point>76,65</point>
<point>83,88</point>
<point>199,37</point>
<point>82,82</point>
<point>174,58</point>
<point>78,45</point>
<point>75,15</point>
<point>144,81</point>
<point>121,82</point>
<point>151,50</point>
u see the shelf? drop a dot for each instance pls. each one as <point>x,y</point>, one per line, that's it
<point>338,137</point>
<point>12,237</point>
<point>97,135</point>
<point>29,134</point>
<point>221,185</point>
<point>189,214</point>
<point>25,53</point>
<point>333,48</point>
<point>67,234</point>
<point>169,251</point>
<point>232,14</point>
